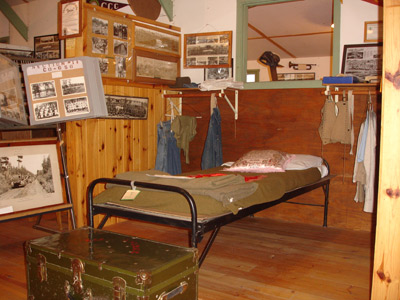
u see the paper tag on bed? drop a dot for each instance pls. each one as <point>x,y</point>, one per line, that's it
<point>130,195</point>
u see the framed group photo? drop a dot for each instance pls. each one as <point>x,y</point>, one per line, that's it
<point>126,107</point>
<point>208,50</point>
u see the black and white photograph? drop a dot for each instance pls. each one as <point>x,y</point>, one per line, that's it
<point>120,48</point>
<point>46,110</point>
<point>74,85</point>
<point>47,47</point>
<point>43,90</point>
<point>99,45</point>
<point>76,106</point>
<point>120,67</point>
<point>29,177</point>
<point>362,60</point>
<point>120,31</point>
<point>99,26</point>
<point>217,73</point>
<point>103,64</point>
<point>125,107</point>
<point>208,50</point>
<point>154,39</point>
<point>155,68</point>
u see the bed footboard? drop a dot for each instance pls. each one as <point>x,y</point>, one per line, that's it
<point>133,184</point>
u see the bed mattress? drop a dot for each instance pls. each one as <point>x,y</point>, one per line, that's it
<point>270,187</point>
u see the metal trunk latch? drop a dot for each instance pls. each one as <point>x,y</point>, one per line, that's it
<point>175,292</point>
<point>119,285</point>
<point>77,271</point>
<point>41,267</point>
<point>143,277</point>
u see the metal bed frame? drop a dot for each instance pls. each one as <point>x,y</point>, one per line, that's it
<point>197,228</point>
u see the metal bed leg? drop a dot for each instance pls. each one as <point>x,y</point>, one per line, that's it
<point>326,192</point>
<point>208,245</point>
<point>103,221</point>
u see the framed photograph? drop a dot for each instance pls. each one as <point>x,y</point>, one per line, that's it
<point>373,31</point>
<point>362,60</point>
<point>296,76</point>
<point>12,106</point>
<point>155,39</point>
<point>218,73</point>
<point>30,175</point>
<point>47,47</point>
<point>126,107</point>
<point>69,18</point>
<point>155,68</point>
<point>208,50</point>
<point>108,37</point>
<point>64,90</point>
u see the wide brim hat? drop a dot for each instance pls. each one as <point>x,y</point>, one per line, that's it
<point>180,82</point>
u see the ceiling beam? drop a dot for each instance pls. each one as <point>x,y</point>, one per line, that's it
<point>270,40</point>
<point>14,19</point>
<point>168,6</point>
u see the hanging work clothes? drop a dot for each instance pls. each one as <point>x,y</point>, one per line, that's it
<point>336,124</point>
<point>212,153</point>
<point>184,128</point>
<point>168,156</point>
<point>364,167</point>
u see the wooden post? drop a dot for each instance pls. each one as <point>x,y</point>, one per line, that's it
<point>386,271</point>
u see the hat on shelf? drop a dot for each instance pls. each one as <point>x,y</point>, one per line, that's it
<point>183,82</point>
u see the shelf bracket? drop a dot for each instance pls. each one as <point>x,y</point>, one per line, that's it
<point>235,108</point>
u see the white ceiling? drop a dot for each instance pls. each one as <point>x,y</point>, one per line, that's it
<point>310,17</point>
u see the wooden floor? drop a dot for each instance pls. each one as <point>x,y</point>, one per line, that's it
<point>251,259</point>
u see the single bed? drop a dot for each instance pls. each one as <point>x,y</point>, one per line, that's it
<point>190,201</point>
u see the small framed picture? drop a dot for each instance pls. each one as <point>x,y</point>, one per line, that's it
<point>70,18</point>
<point>373,31</point>
<point>47,47</point>
<point>362,60</point>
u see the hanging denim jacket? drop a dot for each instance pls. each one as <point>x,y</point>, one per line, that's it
<point>212,153</point>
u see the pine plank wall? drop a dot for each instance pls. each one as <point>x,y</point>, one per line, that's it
<point>286,120</point>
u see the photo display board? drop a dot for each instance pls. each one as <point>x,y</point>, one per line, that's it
<point>64,90</point>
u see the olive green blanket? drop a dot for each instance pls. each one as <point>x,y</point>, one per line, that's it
<point>269,187</point>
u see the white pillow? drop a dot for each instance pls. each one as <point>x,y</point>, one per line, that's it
<point>304,161</point>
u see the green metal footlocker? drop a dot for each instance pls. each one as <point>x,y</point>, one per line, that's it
<point>93,264</point>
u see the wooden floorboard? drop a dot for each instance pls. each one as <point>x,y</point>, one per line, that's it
<point>254,258</point>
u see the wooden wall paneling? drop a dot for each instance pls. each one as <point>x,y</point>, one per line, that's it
<point>287,120</point>
<point>104,147</point>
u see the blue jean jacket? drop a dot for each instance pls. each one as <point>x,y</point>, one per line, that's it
<point>168,154</point>
<point>212,153</point>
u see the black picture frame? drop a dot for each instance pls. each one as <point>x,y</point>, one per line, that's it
<point>362,60</point>
<point>47,47</point>
<point>127,107</point>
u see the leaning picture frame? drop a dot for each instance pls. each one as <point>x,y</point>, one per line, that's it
<point>362,60</point>
<point>69,18</point>
<point>47,47</point>
<point>126,107</point>
<point>30,172</point>
<point>208,50</point>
